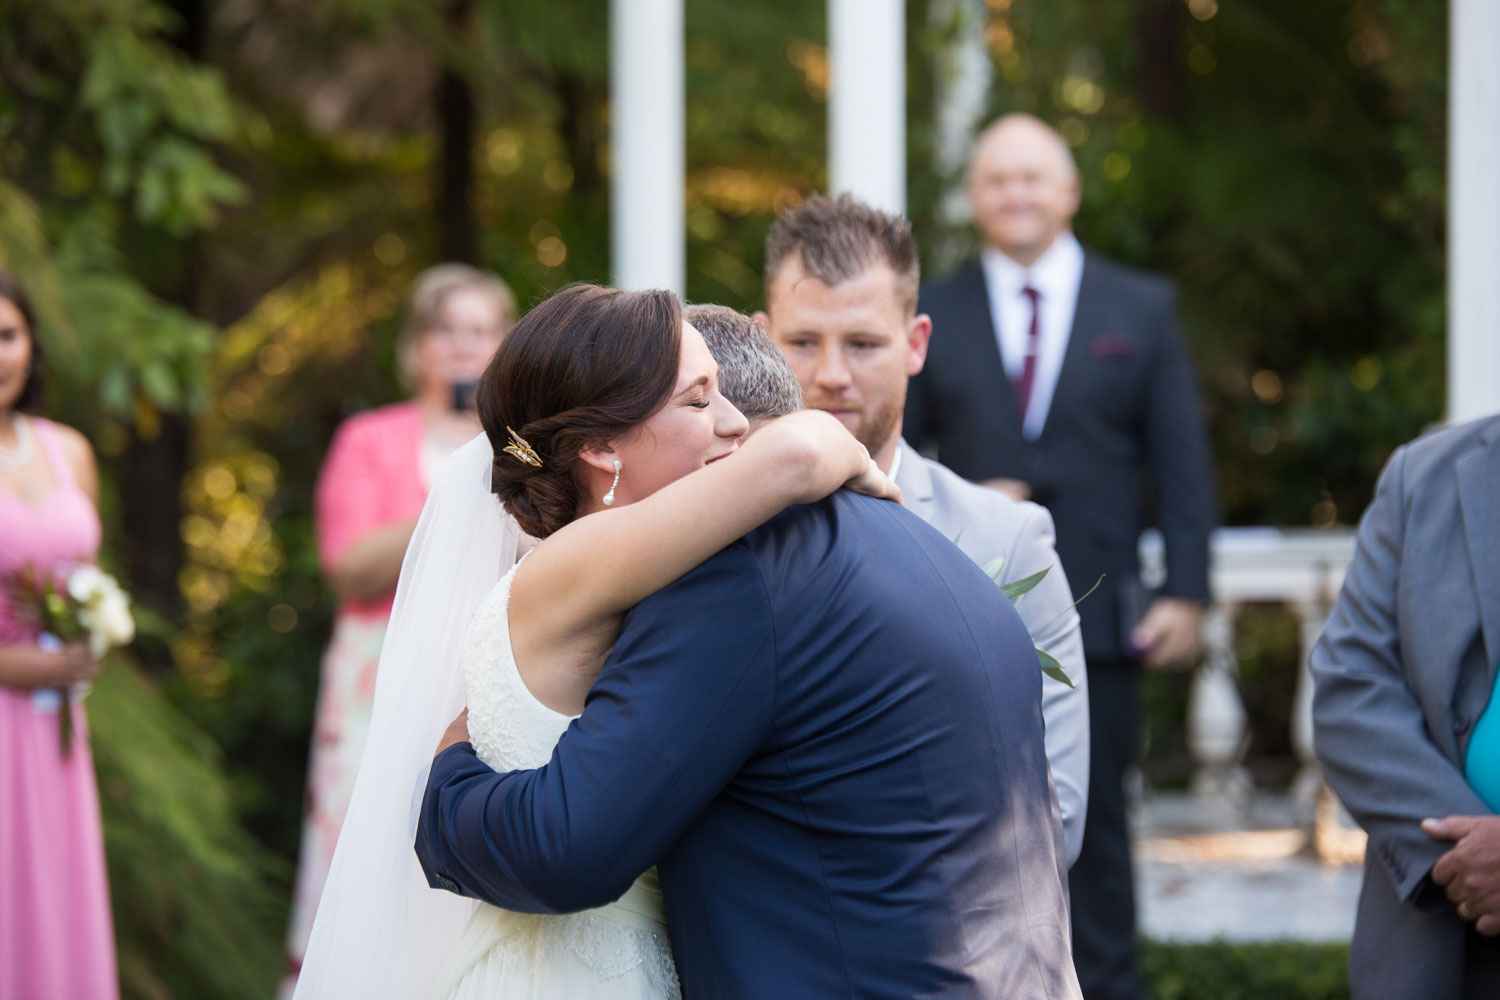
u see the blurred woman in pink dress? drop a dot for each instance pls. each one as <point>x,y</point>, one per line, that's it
<point>370,492</point>
<point>56,938</point>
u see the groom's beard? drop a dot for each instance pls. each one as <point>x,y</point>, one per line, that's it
<point>870,427</point>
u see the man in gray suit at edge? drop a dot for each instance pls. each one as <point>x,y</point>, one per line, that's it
<point>1404,723</point>
<point>841,290</point>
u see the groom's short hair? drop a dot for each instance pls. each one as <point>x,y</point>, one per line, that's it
<point>753,374</point>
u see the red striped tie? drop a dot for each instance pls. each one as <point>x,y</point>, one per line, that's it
<point>1028,369</point>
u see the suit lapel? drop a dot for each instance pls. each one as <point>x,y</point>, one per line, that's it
<point>1479,499</point>
<point>984,348</point>
<point>1089,317</point>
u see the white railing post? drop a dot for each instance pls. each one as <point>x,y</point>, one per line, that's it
<point>1308,785</point>
<point>867,101</point>
<point>646,212</point>
<point>1217,735</point>
<point>1300,568</point>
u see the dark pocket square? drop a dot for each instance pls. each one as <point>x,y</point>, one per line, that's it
<point>1109,345</point>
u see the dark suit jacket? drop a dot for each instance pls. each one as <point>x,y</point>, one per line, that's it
<point>1126,404</point>
<point>1403,670</point>
<point>829,738</point>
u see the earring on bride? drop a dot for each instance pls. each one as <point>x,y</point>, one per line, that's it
<point>609,498</point>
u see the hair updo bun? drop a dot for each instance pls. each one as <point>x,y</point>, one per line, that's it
<point>584,366</point>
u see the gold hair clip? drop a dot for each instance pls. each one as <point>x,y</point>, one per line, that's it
<point>519,448</point>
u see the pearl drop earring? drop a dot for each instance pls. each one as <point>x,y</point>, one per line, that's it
<point>609,498</point>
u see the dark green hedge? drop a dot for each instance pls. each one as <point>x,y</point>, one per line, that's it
<point>1220,970</point>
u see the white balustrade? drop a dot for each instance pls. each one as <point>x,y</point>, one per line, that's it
<point>1300,568</point>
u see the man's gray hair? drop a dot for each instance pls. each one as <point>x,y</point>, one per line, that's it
<point>753,374</point>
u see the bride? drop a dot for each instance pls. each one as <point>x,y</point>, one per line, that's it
<point>608,440</point>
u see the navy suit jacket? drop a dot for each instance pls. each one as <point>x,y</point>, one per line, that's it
<point>1126,411</point>
<point>829,739</point>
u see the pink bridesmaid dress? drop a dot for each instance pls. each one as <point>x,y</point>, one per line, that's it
<point>56,938</point>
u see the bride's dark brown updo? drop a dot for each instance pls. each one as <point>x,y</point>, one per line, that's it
<point>584,366</point>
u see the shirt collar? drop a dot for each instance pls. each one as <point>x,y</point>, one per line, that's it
<point>895,463</point>
<point>1053,274</point>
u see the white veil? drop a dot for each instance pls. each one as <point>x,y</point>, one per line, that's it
<point>380,931</point>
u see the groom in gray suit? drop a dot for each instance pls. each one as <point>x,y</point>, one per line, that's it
<point>1405,725</point>
<point>841,292</point>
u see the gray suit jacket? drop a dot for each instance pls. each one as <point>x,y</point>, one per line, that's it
<point>989,526</point>
<point>1404,668</point>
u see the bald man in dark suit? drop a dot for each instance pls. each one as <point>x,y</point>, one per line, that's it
<point>1059,376</point>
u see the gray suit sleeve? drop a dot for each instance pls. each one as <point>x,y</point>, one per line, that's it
<point>1368,725</point>
<point>1054,626</point>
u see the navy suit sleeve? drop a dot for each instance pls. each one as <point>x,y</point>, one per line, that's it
<point>1181,471</point>
<point>682,702</point>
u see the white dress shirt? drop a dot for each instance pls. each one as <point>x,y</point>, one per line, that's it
<point>895,468</point>
<point>1055,276</point>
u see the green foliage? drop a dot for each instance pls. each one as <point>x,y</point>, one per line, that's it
<point>258,613</point>
<point>198,904</point>
<point>104,133</point>
<point>152,111</point>
<point>1220,970</point>
<point>108,159</point>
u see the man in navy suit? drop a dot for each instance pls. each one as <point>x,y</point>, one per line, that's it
<point>828,737</point>
<point>1059,376</point>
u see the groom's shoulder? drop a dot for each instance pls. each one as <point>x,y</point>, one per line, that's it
<point>802,537</point>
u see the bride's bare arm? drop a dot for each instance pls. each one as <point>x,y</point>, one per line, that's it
<point>585,576</point>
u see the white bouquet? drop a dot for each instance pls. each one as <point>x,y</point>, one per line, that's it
<point>100,608</point>
<point>83,604</point>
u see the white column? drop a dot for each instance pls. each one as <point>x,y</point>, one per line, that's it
<point>964,71</point>
<point>867,101</point>
<point>646,137</point>
<point>1473,210</point>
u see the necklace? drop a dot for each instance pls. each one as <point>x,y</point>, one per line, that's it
<point>15,458</point>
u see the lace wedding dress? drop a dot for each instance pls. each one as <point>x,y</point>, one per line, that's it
<point>617,952</point>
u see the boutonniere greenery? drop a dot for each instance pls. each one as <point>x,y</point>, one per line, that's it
<point>1017,589</point>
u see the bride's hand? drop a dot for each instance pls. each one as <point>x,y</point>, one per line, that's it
<point>820,448</point>
<point>872,482</point>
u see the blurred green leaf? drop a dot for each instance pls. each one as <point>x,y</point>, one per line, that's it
<point>1018,588</point>
<point>1051,667</point>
